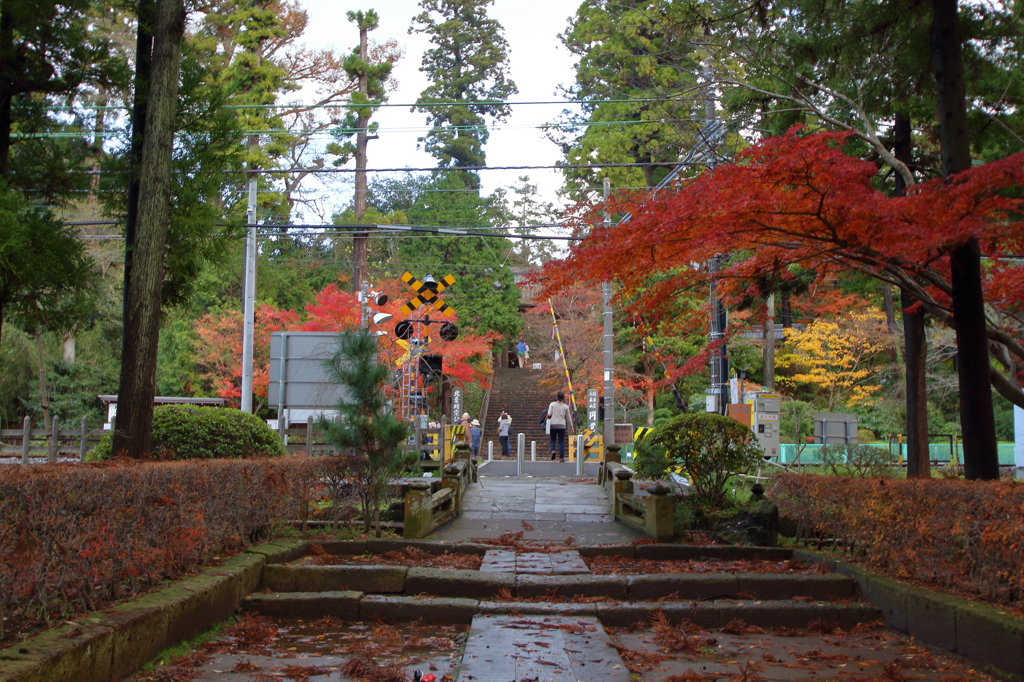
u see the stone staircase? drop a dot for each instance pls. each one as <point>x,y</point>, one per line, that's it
<point>520,393</point>
<point>519,630</point>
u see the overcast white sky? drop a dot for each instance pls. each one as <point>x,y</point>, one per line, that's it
<point>538,64</point>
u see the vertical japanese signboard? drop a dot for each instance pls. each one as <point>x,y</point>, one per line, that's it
<point>592,409</point>
<point>456,404</point>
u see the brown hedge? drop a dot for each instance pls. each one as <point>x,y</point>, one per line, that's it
<point>961,535</point>
<point>75,537</point>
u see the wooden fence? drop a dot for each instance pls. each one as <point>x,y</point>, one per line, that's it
<point>29,443</point>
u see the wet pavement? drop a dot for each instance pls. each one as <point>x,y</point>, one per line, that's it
<point>556,509</point>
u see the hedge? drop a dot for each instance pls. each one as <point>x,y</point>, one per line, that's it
<point>199,432</point>
<point>960,535</point>
<point>76,537</point>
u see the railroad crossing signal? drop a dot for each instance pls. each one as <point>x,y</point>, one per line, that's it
<point>426,293</point>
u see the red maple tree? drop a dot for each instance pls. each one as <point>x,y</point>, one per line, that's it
<point>801,200</point>
<point>219,346</point>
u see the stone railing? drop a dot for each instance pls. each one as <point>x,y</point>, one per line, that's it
<point>650,513</point>
<point>429,504</point>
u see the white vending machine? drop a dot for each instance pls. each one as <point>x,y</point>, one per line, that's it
<point>764,421</point>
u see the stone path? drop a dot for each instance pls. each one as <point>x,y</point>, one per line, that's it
<point>557,563</point>
<point>544,509</point>
<point>515,648</point>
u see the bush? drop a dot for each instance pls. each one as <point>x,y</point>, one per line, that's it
<point>961,535</point>
<point>706,448</point>
<point>195,432</point>
<point>858,461</point>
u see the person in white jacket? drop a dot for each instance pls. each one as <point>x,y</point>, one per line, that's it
<point>558,419</point>
<point>504,429</point>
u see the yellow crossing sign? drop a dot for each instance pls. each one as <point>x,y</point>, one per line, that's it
<point>426,294</point>
<point>589,438</point>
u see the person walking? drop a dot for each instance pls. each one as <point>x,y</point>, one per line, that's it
<point>526,354</point>
<point>475,433</point>
<point>558,415</point>
<point>521,353</point>
<point>504,429</point>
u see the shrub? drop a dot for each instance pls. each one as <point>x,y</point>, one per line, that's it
<point>707,448</point>
<point>858,461</point>
<point>961,535</point>
<point>196,432</point>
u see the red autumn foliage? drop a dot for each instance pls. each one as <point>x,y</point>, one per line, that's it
<point>959,535</point>
<point>335,309</point>
<point>800,200</point>
<point>76,537</point>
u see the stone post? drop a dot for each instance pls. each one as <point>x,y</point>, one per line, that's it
<point>623,484</point>
<point>658,514</point>
<point>419,513</point>
<point>451,477</point>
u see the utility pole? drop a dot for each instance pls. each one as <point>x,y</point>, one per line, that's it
<point>720,360</point>
<point>249,294</point>
<point>359,245</point>
<point>609,345</point>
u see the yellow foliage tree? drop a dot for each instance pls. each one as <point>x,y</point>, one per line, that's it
<point>835,356</point>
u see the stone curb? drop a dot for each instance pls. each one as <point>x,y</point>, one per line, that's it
<point>116,642</point>
<point>981,633</point>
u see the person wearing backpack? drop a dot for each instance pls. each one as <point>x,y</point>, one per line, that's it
<point>558,414</point>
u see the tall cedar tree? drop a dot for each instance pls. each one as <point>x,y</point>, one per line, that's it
<point>143,291</point>
<point>638,74</point>
<point>365,424</point>
<point>468,73</point>
<point>371,79</point>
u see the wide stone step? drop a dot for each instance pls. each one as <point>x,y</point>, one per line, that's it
<point>483,584</point>
<point>348,605</point>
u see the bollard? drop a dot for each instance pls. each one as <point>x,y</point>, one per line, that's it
<point>579,455</point>
<point>520,452</point>
<point>26,437</point>
<point>533,451</point>
<point>490,450</point>
<point>54,440</point>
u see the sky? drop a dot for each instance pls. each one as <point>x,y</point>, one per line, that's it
<point>538,63</point>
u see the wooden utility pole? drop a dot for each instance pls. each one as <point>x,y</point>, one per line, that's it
<point>981,455</point>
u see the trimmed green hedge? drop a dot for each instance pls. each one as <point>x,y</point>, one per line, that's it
<point>194,432</point>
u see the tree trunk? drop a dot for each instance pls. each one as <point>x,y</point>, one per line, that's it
<point>359,245</point>
<point>140,83</point>
<point>981,458</point>
<point>915,342</point>
<point>142,315</point>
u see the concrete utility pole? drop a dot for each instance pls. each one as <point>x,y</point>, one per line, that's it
<point>609,345</point>
<point>359,245</point>
<point>249,302</point>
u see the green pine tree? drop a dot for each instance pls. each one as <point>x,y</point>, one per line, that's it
<point>365,425</point>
